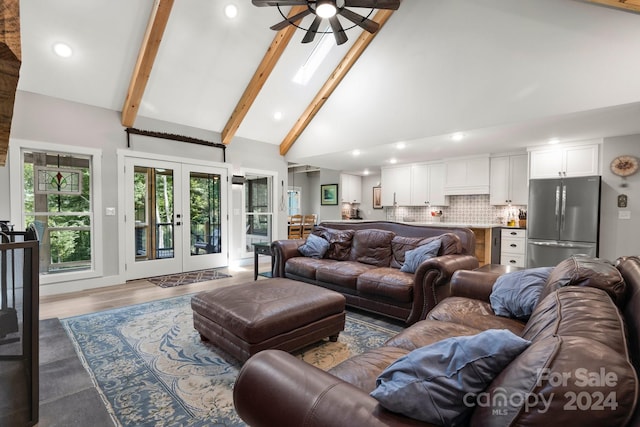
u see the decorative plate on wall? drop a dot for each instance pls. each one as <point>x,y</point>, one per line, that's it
<point>624,166</point>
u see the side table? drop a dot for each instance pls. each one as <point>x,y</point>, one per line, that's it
<point>261,248</point>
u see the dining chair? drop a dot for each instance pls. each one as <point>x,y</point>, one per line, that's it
<point>295,227</point>
<point>308,222</point>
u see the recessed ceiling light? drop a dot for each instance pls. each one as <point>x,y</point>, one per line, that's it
<point>554,141</point>
<point>231,11</point>
<point>366,172</point>
<point>277,115</point>
<point>458,136</point>
<point>393,161</point>
<point>401,145</point>
<point>355,153</point>
<point>63,50</point>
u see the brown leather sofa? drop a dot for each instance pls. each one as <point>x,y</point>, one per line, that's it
<point>587,318</point>
<point>364,259</point>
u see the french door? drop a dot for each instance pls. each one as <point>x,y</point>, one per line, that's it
<point>175,217</point>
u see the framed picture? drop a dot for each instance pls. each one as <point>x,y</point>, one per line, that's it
<point>377,197</point>
<point>329,194</point>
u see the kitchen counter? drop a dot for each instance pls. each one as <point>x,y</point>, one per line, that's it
<point>482,231</point>
<point>428,224</point>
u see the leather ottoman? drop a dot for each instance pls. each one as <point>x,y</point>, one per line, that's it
<point>275,313</point>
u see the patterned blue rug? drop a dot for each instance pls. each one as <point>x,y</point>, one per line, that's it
<point>152,369</point>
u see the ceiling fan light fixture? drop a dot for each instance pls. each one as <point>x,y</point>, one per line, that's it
<point>326,8</point>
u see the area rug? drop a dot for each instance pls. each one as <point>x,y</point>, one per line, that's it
<point>152,369</point>
<point>178,279</point>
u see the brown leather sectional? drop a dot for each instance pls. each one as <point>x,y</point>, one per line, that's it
<point>584,346</point>
<point>364,259</point>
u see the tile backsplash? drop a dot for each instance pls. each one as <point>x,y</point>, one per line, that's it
<point>472,209</point>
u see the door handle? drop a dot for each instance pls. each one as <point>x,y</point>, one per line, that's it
<point>557,203</point>
<point>564,206</point>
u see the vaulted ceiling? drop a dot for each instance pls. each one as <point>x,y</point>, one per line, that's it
<point>507,73</point>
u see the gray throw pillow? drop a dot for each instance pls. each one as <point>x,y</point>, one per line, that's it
<point>439,383</point>
<point>516,294</point>
<point>314,247</point>
<point>415,257</point>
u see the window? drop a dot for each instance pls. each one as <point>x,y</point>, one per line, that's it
<point>57,199</point>
<point>259,209</point>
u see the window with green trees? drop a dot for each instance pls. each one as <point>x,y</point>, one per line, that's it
<point>57,200</point>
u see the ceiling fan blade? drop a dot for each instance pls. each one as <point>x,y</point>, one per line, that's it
<point>359,20</point>
<point>338,31</point>
<point>373,4</point>
<point>283,24</point>
<point>311,32</point>
<point>262,3</point>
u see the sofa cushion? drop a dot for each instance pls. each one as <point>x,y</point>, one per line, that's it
<point>579,270</point>
<point>362,370</point>
<point>372,246</point>
<point>306,267</point>
<point>399,247</point>
<point>314,247</point>
<point>343,274</point>
<point>339,242</point>
<point>438,383</point>
<point>427,332</point>
<point>516,294</point>
<point>473,313</point>
<point>451,244</point>
<point>417,256</point>
<point>388,283</point>
<point>577,370</point>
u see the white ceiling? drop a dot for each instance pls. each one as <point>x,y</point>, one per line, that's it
<point>508,73</point>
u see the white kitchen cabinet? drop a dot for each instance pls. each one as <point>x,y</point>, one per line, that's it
<point>396,185</point>
<point>350,188</point>
<point>508,180</point>
<point>427,185</point>
<point>565,161</point>
<point>513,247</point>
<point>467,176</point>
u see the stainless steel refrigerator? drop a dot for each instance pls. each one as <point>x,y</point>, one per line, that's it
<point>563,219</point>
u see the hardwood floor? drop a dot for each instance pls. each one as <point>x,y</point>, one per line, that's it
<point>133,292</point>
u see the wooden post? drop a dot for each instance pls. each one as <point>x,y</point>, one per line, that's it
<point>10,60</point>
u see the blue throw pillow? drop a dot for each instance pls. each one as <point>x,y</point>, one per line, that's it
<point>415,257</point>
<point>314,247</point>
<point>438,383</point>
<point>516,294</point>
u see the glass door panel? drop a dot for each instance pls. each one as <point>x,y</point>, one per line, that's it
<point>152,234</point>
<point>204,219</point>
<point>258,205</point>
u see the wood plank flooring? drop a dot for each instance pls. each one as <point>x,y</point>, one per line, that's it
<point>133,292</point>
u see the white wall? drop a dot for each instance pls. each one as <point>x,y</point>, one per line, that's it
<point>46,119</point>
<point>619,237</point>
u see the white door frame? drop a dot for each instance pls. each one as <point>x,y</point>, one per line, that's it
<point>122,156</point>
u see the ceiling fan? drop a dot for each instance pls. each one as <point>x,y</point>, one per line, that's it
<point>329,9</point>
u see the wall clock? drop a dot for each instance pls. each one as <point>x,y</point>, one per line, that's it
<point>624,166</point>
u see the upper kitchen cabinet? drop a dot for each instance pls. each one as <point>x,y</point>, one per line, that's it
<point>508,180</point>
<point>395,183</point>
<point>467,176</point>
<point>565,161</point>
<point>427,185</point>
<point>350,188</point>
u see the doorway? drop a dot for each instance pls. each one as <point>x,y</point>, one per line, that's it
<point>175,217</point>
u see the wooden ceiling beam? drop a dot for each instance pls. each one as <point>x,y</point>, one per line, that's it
<point>146,57</point>
<point>10,61</point>
<point>628,5</point>
<point>381,17</point>
<point>262,73</point>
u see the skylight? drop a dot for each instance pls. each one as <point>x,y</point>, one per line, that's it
<point>317,55</point>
